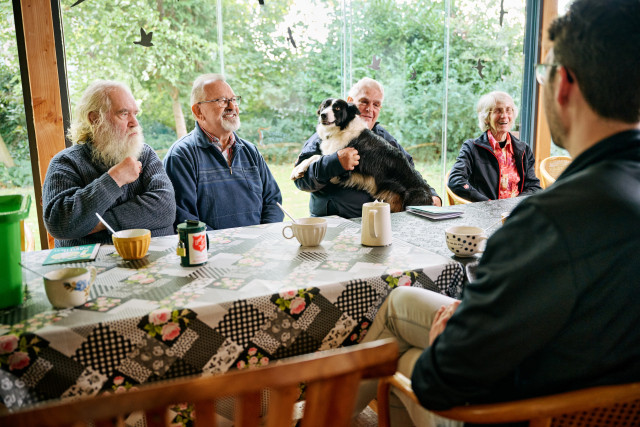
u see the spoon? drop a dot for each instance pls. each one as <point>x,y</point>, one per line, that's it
<point>285,212</point>
<point>33,271</point>
<point>491,226</point>
<point>105,224</point>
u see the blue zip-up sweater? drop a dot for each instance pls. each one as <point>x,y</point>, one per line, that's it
<point>221,196</point>
<point>333,199</point>
<point>475,175</point>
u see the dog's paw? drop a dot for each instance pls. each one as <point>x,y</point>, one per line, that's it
<point>298,172</point>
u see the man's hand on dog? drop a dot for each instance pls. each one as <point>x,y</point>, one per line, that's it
<point>349,158</point>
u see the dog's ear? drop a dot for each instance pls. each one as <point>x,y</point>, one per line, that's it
<point>353,109</point>
<point>324,105</point>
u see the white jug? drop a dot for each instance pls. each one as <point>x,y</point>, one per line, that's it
<point>376,224</point>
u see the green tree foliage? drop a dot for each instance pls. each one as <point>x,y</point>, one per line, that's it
<point>282,85</point>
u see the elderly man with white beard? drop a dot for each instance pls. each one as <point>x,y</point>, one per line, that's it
<point>109,170</point>
<point>219,178</point>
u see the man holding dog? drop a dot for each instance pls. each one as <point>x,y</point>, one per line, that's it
<point>560,312</point>
<point>332,199</point>
<point>219,178</point>
<point>109,170</point>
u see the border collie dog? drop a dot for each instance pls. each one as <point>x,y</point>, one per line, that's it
<point>383,170</point>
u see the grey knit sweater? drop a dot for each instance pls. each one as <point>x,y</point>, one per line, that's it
<point>75,189</point>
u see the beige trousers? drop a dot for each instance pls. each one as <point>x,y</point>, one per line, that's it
<point>406,315</point>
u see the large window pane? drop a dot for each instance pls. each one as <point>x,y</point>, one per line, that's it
<point>15,163</point>
<point>286,56</point>
<point>486,54</point>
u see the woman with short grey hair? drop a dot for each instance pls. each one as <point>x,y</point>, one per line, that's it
<point>496,165</point>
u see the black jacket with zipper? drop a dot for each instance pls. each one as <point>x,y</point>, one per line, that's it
<point>475,175</point>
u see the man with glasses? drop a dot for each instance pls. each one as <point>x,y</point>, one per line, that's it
<point>219,178</point>
<point>555,304</point>
<point>333,199</point>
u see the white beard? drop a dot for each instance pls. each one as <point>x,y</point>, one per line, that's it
<point>231,125</point>
<point>110,147</point>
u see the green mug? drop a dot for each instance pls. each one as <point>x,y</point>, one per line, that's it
<point>193,243</point>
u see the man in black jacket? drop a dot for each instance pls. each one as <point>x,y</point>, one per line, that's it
<point>555,303</point>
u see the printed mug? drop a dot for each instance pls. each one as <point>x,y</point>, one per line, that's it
<point>69,287</point>
<point>465,241</point>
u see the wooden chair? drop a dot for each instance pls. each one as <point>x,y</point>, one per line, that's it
<point>551,168</point>
<point>452,197</point>
<point>616,405</point>
<point>331,377</point>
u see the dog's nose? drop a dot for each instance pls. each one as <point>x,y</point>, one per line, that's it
<point>323,116</point>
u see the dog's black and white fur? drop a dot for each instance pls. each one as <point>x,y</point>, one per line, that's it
<point>383,170</point>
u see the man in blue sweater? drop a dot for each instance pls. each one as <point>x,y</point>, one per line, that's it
<point>333,199</point>
<point>554,306</point>
<point>219,178</point>
<point>109,170</point>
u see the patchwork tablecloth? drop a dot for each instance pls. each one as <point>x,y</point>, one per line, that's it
<point>259,298</point>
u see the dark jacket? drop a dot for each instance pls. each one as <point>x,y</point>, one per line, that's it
<point>209,190</point>
<point>333,199</point>
<point>475,175</point>
<point>555,304</point>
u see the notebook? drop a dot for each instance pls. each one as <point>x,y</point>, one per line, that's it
<point>72,253</point>
<point>435,212</point>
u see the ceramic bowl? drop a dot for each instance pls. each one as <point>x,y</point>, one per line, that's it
<point>133,243</point>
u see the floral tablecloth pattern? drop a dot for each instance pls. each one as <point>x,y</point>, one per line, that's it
<point>259,298</point>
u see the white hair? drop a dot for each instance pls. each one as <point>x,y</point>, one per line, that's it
<point>362,84</point>
<point>197,90</point>
<point>95,99</point>
<point>487,103</point>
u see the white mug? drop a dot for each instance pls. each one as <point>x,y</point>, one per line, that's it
<point>69,287</point>
<point>376,224</point>
<point>308,231</point>
<point>465,241</point>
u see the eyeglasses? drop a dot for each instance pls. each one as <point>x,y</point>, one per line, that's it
<point>223,102</point>
<point>542,72</point>
<point>374,105</point>
<point>499,111</point>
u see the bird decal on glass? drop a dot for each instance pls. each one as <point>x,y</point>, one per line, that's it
<point>479,67</point>
<point>145,38</point>
<point>375,63</point>
<point>502,11</point>
<point>290,38</point>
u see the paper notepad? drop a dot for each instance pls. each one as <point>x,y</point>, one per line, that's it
<point>72,254</point>
<point>434,212</point>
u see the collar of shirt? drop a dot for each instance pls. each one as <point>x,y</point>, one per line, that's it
<point>495,145</point>
<point>216,141</point>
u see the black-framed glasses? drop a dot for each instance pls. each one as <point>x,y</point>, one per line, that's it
<point>542,72</point>
<point>223,102</point>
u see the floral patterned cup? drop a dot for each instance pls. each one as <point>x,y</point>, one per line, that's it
<point>69,287</point>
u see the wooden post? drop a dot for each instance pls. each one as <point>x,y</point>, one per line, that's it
<point>542,147</point>
<point>44,87</point>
